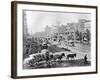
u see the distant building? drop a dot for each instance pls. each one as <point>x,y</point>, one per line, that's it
<point>83,24</point>
<point>25,29</point>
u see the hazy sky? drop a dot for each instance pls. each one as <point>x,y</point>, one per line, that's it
<point>38,20</point>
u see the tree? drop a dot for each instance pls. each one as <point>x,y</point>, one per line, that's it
<point>77,34</point>
<point>88,35</point>
<point>80,37</point>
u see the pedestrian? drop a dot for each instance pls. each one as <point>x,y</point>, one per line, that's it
<point>85,58</point>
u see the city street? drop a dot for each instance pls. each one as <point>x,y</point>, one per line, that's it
<point>79,49</point>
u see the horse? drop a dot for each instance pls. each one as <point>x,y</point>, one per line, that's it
<point>72,56</point>
<point>58,56</point>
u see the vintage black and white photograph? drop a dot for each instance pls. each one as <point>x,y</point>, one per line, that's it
<point>56,39</point>
<point>53,39</point>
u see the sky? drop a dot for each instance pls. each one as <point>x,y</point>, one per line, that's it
<point>37,20</point>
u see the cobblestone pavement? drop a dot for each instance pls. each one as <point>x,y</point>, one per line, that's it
<point>80,51</point>
<point>57,64</point>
